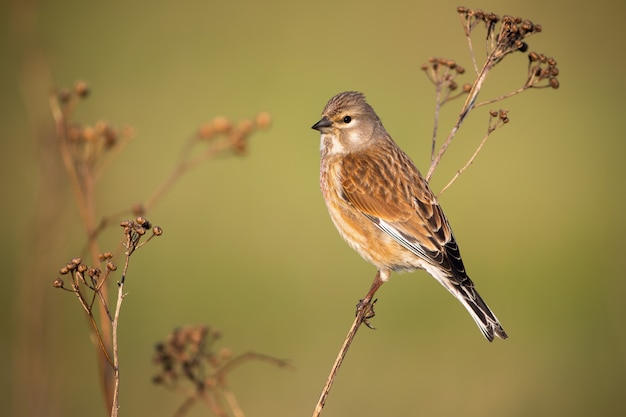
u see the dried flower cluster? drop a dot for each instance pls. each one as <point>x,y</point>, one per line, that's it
<point>542,68</point>
<point>510,35</point>
<point>187,357</point>
<point>86,145</point>
<point>234,135</point>
<point>85,149</point>
<point>500,115</point>
<point>82,275</point>
<point>134,230</point>
<point>505,35</point>
<point>88,282</point>
<point>442,73</point>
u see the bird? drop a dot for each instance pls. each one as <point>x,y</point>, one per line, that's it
<point>384,208</point>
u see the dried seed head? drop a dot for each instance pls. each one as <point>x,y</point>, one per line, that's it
<point>89,134</point>
<point>76,261</point>
<point>111,266</point>
<point>245,126</point>
<point>110,136</point>
<point>58,283</point>
<point>460,70</point>
<point>467,88</point>
<point>81,89</point>
<point>138,209</point>
<point>206,131</point>
<point>263,120</point>
<point>64,95</point>
<point>239,144</point>
<point>157,231</point>
<point>94,272</point>
<point>222,124</point>
<point>492,17</point>
<point>74,133</point>
<point>144,223</point>
<point>82,268</point>
<point>523,46</point>
<point>64,270</point>
<point>554,83</point>
<point>70,266</point>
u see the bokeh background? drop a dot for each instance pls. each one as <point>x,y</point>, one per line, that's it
<point>248,246</point>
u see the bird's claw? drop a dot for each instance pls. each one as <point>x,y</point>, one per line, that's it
<point>367,306</point>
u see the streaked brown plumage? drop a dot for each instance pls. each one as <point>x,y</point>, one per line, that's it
<point>383,207</point>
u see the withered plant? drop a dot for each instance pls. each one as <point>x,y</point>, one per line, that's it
<point>190,365</point>
<point>85,151</point>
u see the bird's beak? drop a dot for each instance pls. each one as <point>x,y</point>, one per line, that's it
<point>323,124</point>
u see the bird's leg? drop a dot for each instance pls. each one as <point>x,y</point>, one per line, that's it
<point>366,305</point>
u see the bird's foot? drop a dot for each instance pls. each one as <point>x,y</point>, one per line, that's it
<point>367,307</point>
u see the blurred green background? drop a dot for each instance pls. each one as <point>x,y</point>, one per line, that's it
<point>248,245</point>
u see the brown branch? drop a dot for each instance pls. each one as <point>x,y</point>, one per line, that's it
<point>501,118</point>
<point>358,320</point>
<point>365,311</point>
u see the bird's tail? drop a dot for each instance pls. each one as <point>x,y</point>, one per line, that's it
<point>464,291</point>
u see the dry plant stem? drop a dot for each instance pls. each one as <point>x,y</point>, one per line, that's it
<point>232,403</point>
<point>436,124</point>
<point>469,162</point>
<point>470,45</point>
<point>185,406</point>
<point>364,312</point>
<point>115,325</point>
<point>467,107</point>
<point>184,165</point>
<point>94,325</point>
<point>502,97</point>
<point>511,94</point>
<point>342,353</point>
<point>218,410</point>
<point>231,364</point>
<point>84,194</point>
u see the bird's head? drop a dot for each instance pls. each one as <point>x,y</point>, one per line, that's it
<point>348,123</point>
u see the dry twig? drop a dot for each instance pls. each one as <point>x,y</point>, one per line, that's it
<point>504,36</point>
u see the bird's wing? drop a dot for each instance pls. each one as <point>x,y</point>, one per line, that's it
<point>402,206</point>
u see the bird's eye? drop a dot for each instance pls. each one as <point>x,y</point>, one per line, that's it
<point>347,119</point>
